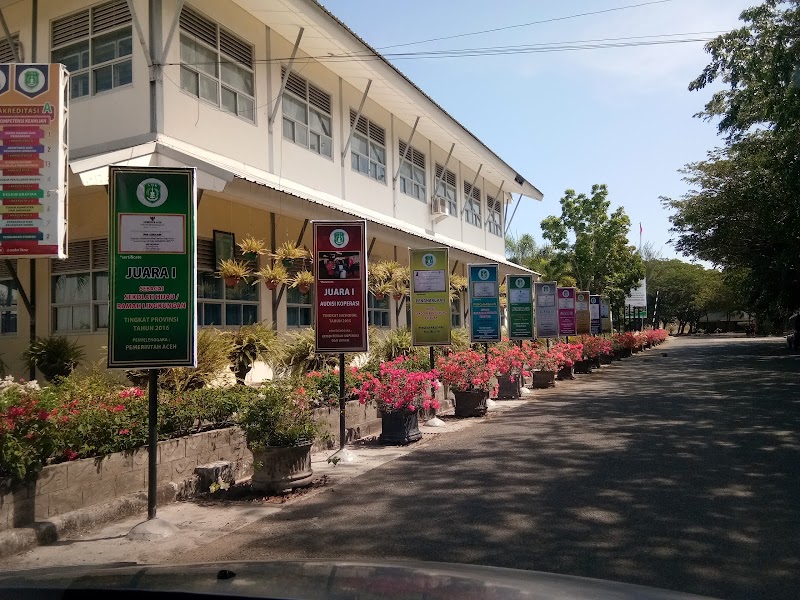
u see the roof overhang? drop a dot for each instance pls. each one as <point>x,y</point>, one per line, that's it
<point>231,180</point>
<point>325,35</point>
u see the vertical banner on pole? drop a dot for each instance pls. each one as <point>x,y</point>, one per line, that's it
<point>605,315</point>
<point>566,311</point>
<point>340,294</point>
<point>484,302</point>
<point>152,268</point>
<point>430,296</point>
<point>546,310</point>
<point>583,318</point>
<point>594,312</point>
<point>519,290</point>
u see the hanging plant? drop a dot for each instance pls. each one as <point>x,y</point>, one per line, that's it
<point>233,271</point>
<point>458,284</point>
<point>252,247</point>
<point>303,281</point>
<point>400,280</point>
<point>273,275</point>
<point>288,253</point>
<point>380,289</point>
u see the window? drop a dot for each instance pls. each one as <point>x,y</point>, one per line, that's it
<point>446,188</point>
<point>298,308</point>
<point>95,45</point>
<point>368,148</point>
<point>307,115</point>
<point>6,50</point>
<point>412,173</point>
<point>472,205</point>
<point>377,311</point>
<point>218,304</point>
<point>79,288</point>
<point>216,66</point>
<point>455,312</point>
<point>495,218</point>
<point>8,300</point>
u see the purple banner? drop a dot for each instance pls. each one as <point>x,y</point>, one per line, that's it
<point>567,318</point>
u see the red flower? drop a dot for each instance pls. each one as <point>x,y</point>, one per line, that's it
<point>43,414</point>
<point>70,454</point>
<point>124,431</point>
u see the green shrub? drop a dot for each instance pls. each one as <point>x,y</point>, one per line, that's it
<point>54,356</point>
<point>251,343</point>
<point>298,358</point>
<point>277,415</point>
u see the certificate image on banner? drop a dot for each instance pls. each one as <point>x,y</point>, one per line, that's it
<point>545,309</point>
<point>520,306</point>
<point>484,302</point>
<point>484,289</point>
<point>152,234</point>
<point>430,296</point>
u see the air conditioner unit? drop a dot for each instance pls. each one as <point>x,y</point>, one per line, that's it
<point>438,206</point>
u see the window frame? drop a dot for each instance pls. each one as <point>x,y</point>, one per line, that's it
<point>494,216</point>
<point>223,58</point>
<point>472,205</point>
<point>412,160</point>
<point>10,309</point>
<point>309,108</point>
<point>445,185</point>
<point>98,265</point>
<point>369,140</point>
<point>299,307</point>
<point>90,38</point>
<point>373,310</point>
<point>456,316</point>
<point>225,302</point>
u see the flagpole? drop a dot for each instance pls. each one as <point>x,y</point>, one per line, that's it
<point>640,237</point>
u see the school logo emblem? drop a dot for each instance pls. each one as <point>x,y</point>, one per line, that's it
<point>429,260</point>
<point>31,81</point>
<point>339,238</point>
<point>152,192</point>
<point>545,289</point>
<point>565,293</point>
<point>519,282</point>
<point>483,274</point>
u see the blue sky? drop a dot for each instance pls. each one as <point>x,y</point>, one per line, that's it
<point>620,116</point>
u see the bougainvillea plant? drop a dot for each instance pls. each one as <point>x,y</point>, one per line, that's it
<point>397,387</point>
<point>466,371</point>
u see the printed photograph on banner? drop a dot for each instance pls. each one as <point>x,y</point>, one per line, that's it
<point>339,265</point>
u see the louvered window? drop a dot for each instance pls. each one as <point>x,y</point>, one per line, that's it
<point>95,45</point>
<point>472,205</point>
<point>368,148</point>
<point>79,287</point>
<point>412,172</point>
<point>494,219</point>
<point>218,304</point>
<point>446,188</point>
<point>216,66</point>
<point>7,50</point>
<point>8,300</point>
<point>307,115</point>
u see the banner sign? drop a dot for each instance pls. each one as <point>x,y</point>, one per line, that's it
<point>638,295</point>
<point>582,316</point>
<point>430,296</point>
<point>340,294</point>
<point>594,311</point>
<point>546,311</point>
<point>605,315</point>
<point>519,290</point>
<point>152,267</point>
<point>484,303</point>
<point>33,160</point>
<point>567,318</point>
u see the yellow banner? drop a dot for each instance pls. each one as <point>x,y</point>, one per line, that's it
<point>430,296</point>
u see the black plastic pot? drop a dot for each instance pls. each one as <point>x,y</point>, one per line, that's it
<point>399,428</point>
<point>471,403</point>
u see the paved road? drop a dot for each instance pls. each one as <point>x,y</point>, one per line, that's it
<point>678,471</point>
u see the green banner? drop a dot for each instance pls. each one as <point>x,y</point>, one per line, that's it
<point>152,268</point>
<point>430,296</point>
<point>519,290</point>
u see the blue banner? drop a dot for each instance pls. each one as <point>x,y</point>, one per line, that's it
<point>484,303</point>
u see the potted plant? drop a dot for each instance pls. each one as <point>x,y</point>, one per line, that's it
<point>545,365</point>
<point>468,376</point>
<point>250,344</point>
<point>303,281</point>
<point>252,247</point>
<point>55,357</point>
<point>380,289</point>
<point>273,275</point>
<point>288,253</point>
<point>278,424</point>
<point>399,283</point>
<point>400,391</point>
<point>233,271</point>
<point>458,285</point>
<point>507,360</point>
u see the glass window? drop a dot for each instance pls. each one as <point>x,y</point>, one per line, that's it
<point>495,217</point>
<point>298,308</point>
<point>472,205</point>
<point>412,173</point>
<point>368,154</point>
<point>306,116</point>
<point>378,311</point>
<point>79,298</point>
<point>225,306</point>
<point>455,312</point>
<point>102,58</point>
<point>8,307</point>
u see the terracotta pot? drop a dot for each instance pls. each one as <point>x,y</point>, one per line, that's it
<point>271,285</point>
<point>397,296</point>
<point>304,288</point>
<point>232,281</point>
<point>282,468</point>
<point>380,296</point>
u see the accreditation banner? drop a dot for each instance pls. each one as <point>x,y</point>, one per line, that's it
<point>340,295</point>
<point>430,296</point>
<point>567,324</point>
<point>152,268</point>
<point>594,311</point>
<point>33,160</point>
<point>546,311</point>
<point>484,302</point>
<point>519,291</point>
<point>582,316</point>
<point>605,315</point>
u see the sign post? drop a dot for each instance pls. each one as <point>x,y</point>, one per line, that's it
<point>340,298</point>
<point>546,311</point>
<point>567,324</point>
<point>582,313</point>
<point>152,271</point>
<point>430,297</point>
<point>484,303</point>
<point>519,289</point>
<point>594,311</point>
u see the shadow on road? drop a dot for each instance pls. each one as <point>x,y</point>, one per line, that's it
<point>681,472</point>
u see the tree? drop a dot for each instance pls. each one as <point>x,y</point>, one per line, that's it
<point>741,212</point>
<point>542,259</point>
<point>594,243</point>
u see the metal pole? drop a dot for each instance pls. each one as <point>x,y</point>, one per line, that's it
<point>433,361</point>
<point>342,401</point>
<point>486,351</point>
<point>152,444</point>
